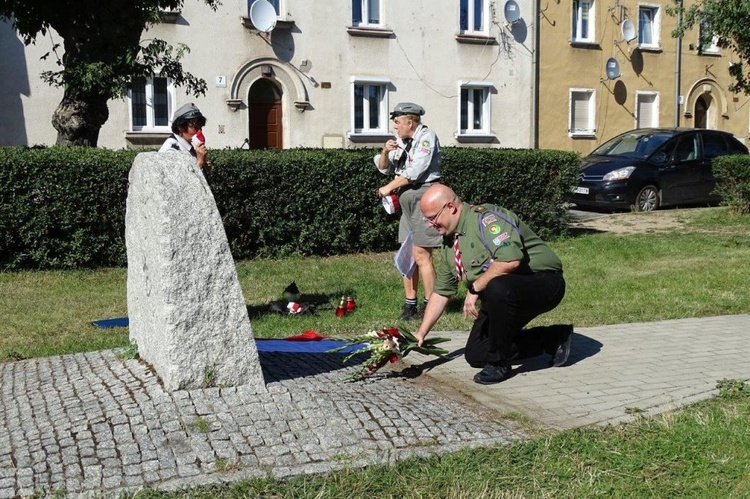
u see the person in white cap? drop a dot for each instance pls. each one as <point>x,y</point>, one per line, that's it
<point>414,158</point>
<point>187,123</point>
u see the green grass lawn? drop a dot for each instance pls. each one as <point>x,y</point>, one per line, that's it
<point>699,270</point>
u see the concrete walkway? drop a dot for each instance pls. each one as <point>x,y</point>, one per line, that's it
<point>94,424</point>
<point>614,373</point>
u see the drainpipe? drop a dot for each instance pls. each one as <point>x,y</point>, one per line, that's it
<point>535,76</point>
<point>678,69</point>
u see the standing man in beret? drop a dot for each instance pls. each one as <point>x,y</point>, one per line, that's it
<point>187,122</point>
<point>414,158</point>
<point>507,267</point>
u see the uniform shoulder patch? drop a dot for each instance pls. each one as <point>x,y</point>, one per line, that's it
<point>488,220</point>
<point>501,240</point>
<point>426,143</point>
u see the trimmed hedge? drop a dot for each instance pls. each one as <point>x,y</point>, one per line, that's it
<point>733,182</point>
<point>62,207</point>
<point>65,207</point>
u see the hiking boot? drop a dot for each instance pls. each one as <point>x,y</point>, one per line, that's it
<point>491,374</point>
<point>409,313</point>
<point>562,351</point>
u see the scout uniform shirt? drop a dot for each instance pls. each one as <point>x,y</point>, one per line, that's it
<point>505,243</point>
<point>418,161</point>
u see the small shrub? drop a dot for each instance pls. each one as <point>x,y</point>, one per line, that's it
<point>733,182</point>
<point>733,389</point>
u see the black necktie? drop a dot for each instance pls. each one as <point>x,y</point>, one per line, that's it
<point>404,154</point>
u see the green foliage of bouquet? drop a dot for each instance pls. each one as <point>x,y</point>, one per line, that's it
<point>387,345</point>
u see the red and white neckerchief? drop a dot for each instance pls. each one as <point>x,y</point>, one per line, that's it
<point>460,271</point>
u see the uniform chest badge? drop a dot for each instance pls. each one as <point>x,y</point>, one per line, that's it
<point>501,239</point>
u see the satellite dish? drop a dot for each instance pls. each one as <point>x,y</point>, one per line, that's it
<point>512,11</point>
<point>628,30</point>
<point>612,68</point>
<point>263,15</point>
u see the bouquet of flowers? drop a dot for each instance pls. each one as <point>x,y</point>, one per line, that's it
<point>387,345</point>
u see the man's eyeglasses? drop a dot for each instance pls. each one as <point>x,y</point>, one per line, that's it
<point>431,220</point>
<point>194,123</point>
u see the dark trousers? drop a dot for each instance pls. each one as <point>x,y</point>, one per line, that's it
<point>509,302</point>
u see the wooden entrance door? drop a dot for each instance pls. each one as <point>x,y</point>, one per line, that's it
<point>265,116</point>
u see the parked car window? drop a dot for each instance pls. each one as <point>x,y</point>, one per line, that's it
<point>687,149</point>
<point>736,147</point>
<point>639,144</point>
<point>661,157</point>
<point>714,145</point>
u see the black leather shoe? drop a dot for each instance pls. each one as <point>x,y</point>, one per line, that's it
<point>491,374</point>
<point>409,313</point>
<point>562,352</point>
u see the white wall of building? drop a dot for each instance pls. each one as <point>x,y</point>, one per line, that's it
<point>422,59</point>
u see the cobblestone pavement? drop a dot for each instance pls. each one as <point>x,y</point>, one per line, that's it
<point>92,423</point>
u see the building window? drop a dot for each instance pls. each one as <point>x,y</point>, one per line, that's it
<point>474,113</point>
<point>649,19</point>
<point>473,17</point>
<point>276,5</point>
<point>646,109</point>
<point>582,118</point>
<point>366,13</point>
<point>583,21</point>
<point>709,41</point>
<point>151,102</point>
<point>370,106</point>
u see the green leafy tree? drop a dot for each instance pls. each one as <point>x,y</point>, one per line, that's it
<point>728,21</point>
<point>100,53</point>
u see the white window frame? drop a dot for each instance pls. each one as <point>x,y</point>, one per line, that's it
<point>384,125</point>
<point>713,47</point>
<point>471,16</point>
<point>639,97</point>
<point>590,130</point>
<point>280,7</point>
<point>655,43</point>
<point>150,119</point>
<point>577,19</point>
<point>486,111</point>
<point>365,6</point>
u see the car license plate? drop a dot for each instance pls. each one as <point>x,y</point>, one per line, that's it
<point>581,190</point>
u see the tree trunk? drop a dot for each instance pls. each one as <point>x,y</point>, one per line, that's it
<point>79,118</point>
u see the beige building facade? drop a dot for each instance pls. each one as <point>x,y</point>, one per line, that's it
<point>313,74</point>
<point>606,67</point>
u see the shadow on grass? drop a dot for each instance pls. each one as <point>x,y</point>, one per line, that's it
<point>574,232</point>
<point>317,302</point>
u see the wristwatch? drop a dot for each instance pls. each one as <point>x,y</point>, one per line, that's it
<point>471,290</point>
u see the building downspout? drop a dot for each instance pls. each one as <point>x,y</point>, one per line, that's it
<point>535,77</point>
<point>678,68</point>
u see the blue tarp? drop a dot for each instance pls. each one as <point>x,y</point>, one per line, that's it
<point>319,346</point>
<point>108,323</point>
<point>263,345</point>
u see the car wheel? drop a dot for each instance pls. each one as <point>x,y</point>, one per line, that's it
<point>647,199</point>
